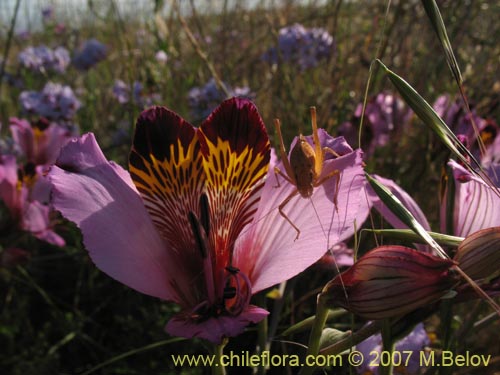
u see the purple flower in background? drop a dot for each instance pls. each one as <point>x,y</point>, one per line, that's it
<point>461,123</point>
<point>484,143</point>
<point>122,93</point>
<point>385,114</point>
<point>490,160</point>
<point>301,46</point>
<point>48,13</point>
<point>202,100</point>
<point>41,141</point>
<point>44,59</point>
<point>24,35</point>
<point>90,54</point>
<point>55,102</point>
<point>453,114</point>
<point>25,194</point>
<point>161,57</point>
<point>414,342</point>
<point>60,28</point>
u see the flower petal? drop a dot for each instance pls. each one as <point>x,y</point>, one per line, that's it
<point>215,329</point>
<point>10,194</point>
<point>476,205</point>
<point>236,153</point>
<point>117,230</point>
<point>37,221</point>
<point>267,252</point>
<point>165,165</point>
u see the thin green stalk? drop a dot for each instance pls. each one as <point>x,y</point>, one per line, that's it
<point>8,43</point>
<point>218,368</point>
<point>317,330</point>
<point>262,332</point>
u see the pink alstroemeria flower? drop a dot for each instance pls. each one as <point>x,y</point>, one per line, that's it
<point>40,143</point>
<point>25,201</point>
<point>196,220</point>
<point>474,204</point>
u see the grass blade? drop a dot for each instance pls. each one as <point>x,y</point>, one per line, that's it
<point>411,236</point>
<point>427,114</point>
<point>395,205</point>
<point>434,15</point>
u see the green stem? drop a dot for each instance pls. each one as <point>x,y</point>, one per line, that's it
<point>262,331</point>
<point>387,346</point>
<point>317,330</point>
<point>218,368</point>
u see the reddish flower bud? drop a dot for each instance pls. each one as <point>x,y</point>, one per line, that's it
<point>390,281</point>
<point>479,254</point>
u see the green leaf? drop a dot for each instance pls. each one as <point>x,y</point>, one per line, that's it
<point>411,236</point>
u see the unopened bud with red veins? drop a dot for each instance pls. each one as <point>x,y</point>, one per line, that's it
<point>391,281</point>
<point>479,254</point>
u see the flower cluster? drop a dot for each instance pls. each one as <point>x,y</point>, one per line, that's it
<point>202,100</point>
<point>43,59</point>
<point>301,46</point>
<point>91,53</point>
<point>124,94</point>
<point>54,102</point>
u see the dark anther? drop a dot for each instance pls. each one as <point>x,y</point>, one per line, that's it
<point>204,213</point>
<point>29,169</point>
<point>41,124</point>
<point>232,270</point>
<point>200,235</point>
<point>229,292</point>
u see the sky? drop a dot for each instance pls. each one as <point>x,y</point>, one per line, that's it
<point>29,15</point>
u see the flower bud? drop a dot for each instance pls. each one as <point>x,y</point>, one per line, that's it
<point>390,281</point>
<point>479,254</point>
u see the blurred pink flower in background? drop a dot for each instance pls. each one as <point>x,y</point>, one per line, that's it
<point>25,197</point>
<point>386,115</point>
<point>40,142</point>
